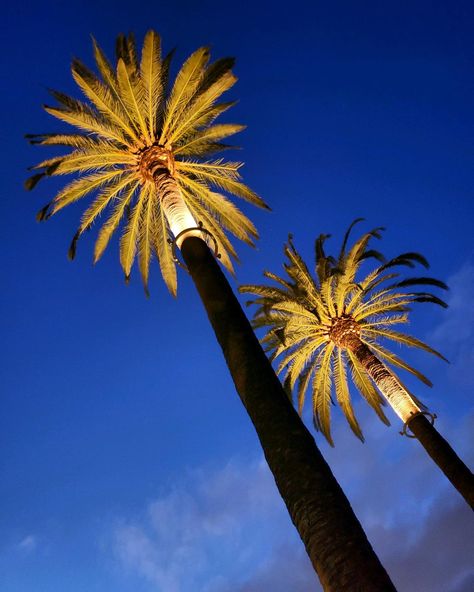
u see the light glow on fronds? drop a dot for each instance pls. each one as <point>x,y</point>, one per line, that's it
<point>315,324</point>
<point>140,148</point>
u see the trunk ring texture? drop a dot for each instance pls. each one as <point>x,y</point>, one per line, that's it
<point>200,227</point>
<point>404,432</point>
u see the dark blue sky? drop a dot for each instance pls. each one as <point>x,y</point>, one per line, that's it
<point>118,415</point>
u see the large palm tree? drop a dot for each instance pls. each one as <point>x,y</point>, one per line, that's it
<point>318,326</point>
<point>140,151</point>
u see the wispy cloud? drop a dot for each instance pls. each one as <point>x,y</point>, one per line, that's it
<point>28,544</point>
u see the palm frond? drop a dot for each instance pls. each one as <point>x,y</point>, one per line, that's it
<point>403,338</point>
<point>342,252</point>
<point>151,77</point>
<point>342,393</point>
<point>322,379</point>
<point>393,359</point>
<point>164,252</point>
<point>208,137</point>
<point>102,98</point>
<point>113,221</point>
<point>366,388</point>
<point>186,82</point>
<point>406,259</point>
<point>221,178</point>
<point>83,186</point>
<point>86,119</point>
<point>145,233</point>
<point>191,117</point>
<point>101,202</point>
<point>420,281</point>
<point>132,94</point>
<point>129,240</point>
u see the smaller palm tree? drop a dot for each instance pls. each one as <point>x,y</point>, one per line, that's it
<point>318,327</point>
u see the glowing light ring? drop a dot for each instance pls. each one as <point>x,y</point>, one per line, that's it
<point>404,432</point>
<point>200,227</point>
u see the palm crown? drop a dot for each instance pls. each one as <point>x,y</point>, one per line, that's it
<point>140,150</point>
<point>314,324</point>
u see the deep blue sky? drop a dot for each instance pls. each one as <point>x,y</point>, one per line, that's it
<point>127,460</point>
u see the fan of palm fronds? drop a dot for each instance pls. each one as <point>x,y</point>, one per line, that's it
<point>300,315</point>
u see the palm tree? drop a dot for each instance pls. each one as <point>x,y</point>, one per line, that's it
<point>319,326</point>
<point>140,150</point>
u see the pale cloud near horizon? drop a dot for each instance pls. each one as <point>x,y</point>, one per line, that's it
<point>216,521</point>
<point>225,529</point>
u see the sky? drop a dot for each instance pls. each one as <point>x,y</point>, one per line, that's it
<point>127,460</point>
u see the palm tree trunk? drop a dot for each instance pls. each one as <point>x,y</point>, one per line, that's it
<point>444,456</point>
<point>334,539</point>
<point>401,401</point>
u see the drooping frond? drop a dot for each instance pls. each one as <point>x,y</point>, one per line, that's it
<point>101,202</point>
<point>112,223</point>
<point>322,380</point>
<point>366,388</point>
<point>128,242</point>
<point>139,152</point>
<point>342,393</point>
<point>314,325</point>
<point>163,251</point>
<point>83,186</point>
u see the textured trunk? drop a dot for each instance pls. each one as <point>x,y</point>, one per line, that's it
<point>401,401</point>
<point>444,456</point>
<point>176,211</point>
<point>334,539</point>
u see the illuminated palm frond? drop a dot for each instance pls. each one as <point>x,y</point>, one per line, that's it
<point>131,126</point>
<point>314,324</point>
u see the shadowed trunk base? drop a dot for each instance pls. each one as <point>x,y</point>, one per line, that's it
<point>444,456</point>
<point>334,539</point>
